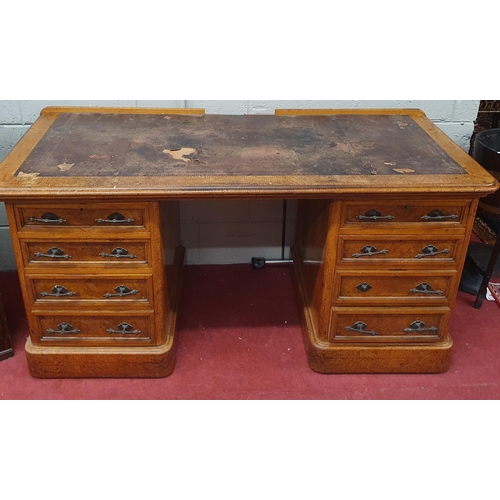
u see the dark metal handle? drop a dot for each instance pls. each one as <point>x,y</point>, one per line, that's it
<point>430,251</point>
<point>361,327</point>
<point>54,253</point>
<point>119,253</point>
<point>368,251</point>
<point>364,287</point>
<point>64,328</point>
<point>124,328</point>
<point>115,218</point>
<point>121,291</point>
<point>419,326</point>
<point>58,291</point>
<point>48,218</point>
<point>374,215</point>
<point>426,289</point>
<point>438,215</point>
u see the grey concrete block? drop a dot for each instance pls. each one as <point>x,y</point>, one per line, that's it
<point>466,111</point>
<point>9,137</point>
<point>161,104</point>
<point>266,210</point>
<point>10,113</point>
<point>220,107</point>
<point>119,103</point>
<point>214,210</point>
<point>238,242</point>
<point>30,110</point>
<point>461,133</point>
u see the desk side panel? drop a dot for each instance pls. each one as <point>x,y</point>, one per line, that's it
<point>173,256</point>
<point>317,231</point>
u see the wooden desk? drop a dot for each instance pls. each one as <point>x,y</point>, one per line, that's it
<point>387,203</point>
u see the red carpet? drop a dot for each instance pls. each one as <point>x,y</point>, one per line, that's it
<point>239,338</point>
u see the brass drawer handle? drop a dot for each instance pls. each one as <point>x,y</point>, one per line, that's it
<point>368,251</point>
<point>54,253</point>
<point>430,251</point>
<point>438,215</point>
<point>361,327</point>
<point>119,253</point>
<point>58,291</point>
<point>374,215</point>
<point>124,328</point>
<point>419,326</point>
<point>48,218</point>
<point>115,218</point>
<point>121,291</point>
<point>64,328</point>
<point>426,289</point>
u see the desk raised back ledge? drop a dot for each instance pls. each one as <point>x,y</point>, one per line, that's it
<point>386,207</point>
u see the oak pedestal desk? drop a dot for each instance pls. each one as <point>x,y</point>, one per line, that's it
<point>386,208</point>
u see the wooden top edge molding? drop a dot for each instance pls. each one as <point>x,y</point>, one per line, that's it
<point>57,110</point>
<point>243,191</point>
<point>362,111</point>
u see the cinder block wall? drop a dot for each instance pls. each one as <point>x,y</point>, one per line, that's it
<point>227,232</point>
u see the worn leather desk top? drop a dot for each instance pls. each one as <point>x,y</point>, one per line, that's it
<point>82,153</point>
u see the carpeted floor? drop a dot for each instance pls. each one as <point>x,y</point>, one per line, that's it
<point>239,338</point>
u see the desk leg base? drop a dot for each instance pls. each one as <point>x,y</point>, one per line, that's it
<point>382,358</point>
<point>433,358</point>
<point>75,362</point>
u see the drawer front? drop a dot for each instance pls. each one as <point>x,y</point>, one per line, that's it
<point>388,214</point>
<point>89,330</point>
<point>396,288</point>
<point>82,215</point>
<point>367,250</point>
<point>64,253</point>
<point>378,325</point>
<point>103,292</point>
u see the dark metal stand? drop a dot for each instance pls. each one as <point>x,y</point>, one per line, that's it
<point>488,274</point>
<point>261,262</point>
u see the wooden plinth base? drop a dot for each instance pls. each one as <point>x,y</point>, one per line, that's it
<point>432,358</point>
<point>388,358</point>
<point>383,358</point>
<point>74,362</point>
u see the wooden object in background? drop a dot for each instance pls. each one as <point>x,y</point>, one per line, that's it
<point>6,350</point>
<point>387,204</point>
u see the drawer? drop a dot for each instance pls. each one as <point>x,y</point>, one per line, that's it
<point>395,288</point>
<point>82,215</point>
<point>383,213</point>
<point>396,249</point>
<point>375,325</point>
<point>62,291</point>
<point>127,329</point>
<point>65,253</point>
